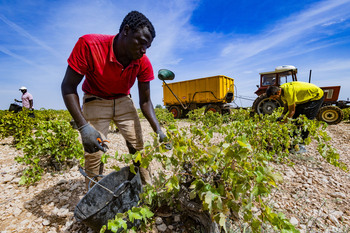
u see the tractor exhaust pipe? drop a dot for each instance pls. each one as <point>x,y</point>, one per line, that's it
<point>310,76</point>
<point>164,74</point>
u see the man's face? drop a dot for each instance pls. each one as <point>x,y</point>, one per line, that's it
<point>138,42</point>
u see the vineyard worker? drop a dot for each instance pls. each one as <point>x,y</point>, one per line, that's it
<point>301,98</point>
<point>111,64</point>
<point>27,99</point>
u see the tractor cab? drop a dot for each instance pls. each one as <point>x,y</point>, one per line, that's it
<point>281,75</point>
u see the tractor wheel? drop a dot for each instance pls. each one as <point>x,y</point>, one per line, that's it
<point>213,108</point>
<point>176,111</point>
<point>264,105</point>
<point>330,114</point>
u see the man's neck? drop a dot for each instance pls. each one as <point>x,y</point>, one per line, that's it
<point>119,52</point>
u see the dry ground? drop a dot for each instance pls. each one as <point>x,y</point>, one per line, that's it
<point>314,194</point>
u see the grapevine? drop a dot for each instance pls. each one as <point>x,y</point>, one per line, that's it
<point>223,164</point>
<point>48,141</point>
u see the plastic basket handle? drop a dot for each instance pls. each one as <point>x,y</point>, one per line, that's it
<point>91,180</point>
<point>121,188</point>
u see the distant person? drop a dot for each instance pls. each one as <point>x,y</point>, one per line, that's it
<point>298,98</point>
<point>111,64</point>
<point>27,100</point>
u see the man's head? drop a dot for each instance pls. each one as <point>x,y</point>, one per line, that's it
<point>136,20</point>
<point>273,92</point>
<point>136,34</point>
<point>23,89</point>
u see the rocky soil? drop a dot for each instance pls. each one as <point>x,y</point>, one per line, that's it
<point>315,196</point>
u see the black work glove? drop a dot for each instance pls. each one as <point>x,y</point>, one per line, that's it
<point>91,139</point>
<point>163,138</point>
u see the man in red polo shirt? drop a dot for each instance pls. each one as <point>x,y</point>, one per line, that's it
<point>111,65</point>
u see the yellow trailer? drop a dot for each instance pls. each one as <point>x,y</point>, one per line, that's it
<point>213,92</point>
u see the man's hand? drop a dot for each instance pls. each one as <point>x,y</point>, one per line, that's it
<point>91,139</point>
<point>163,138</point>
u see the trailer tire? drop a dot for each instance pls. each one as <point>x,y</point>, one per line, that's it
<point>265,105</point>
<point>330,114</point>
<point>213,108</point>
<point>176,111</point>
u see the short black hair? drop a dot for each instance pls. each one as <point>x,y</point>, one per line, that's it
<point>272,90</point>
<point>137,20</point>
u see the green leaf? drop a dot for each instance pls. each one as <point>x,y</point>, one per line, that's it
<point>116,224</point>
<point>103,229</point>
<point>214,150</point>
<point>222,221</point>
<point>132,168</point>
<point>209,198</point>
<point>134,215</point>
<point>259,176</point>
<point>173,184</point>
<point>138,157</point>
<point>193,194</point>
<point>146,213</point>
<point>104,158</point>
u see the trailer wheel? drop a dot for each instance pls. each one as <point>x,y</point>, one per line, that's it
<point>176,111</point>
<point>213,108</point>
<point>265,105</point>
<point>330,114</point>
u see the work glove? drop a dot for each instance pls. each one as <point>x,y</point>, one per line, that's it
<point>92,140</point>
<point>163,138</point>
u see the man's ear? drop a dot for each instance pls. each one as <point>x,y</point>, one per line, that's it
<point>126,30</point>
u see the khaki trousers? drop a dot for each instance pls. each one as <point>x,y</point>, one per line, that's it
<point>99,113</point>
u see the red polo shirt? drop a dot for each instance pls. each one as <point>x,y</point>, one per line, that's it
<point>105,77</point>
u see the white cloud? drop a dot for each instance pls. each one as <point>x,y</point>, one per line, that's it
<point>27,35</point>
<point>290,31</point>
<point>333,22</point>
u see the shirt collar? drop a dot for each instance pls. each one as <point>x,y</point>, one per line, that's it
<point>112,57</point>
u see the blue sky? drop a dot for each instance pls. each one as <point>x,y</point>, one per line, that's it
<point>194,39</point>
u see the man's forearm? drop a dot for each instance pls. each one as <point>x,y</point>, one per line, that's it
<point>291,110</point>
<point>148,111</point>
<point>72,103</point>
<point>70,95</point>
